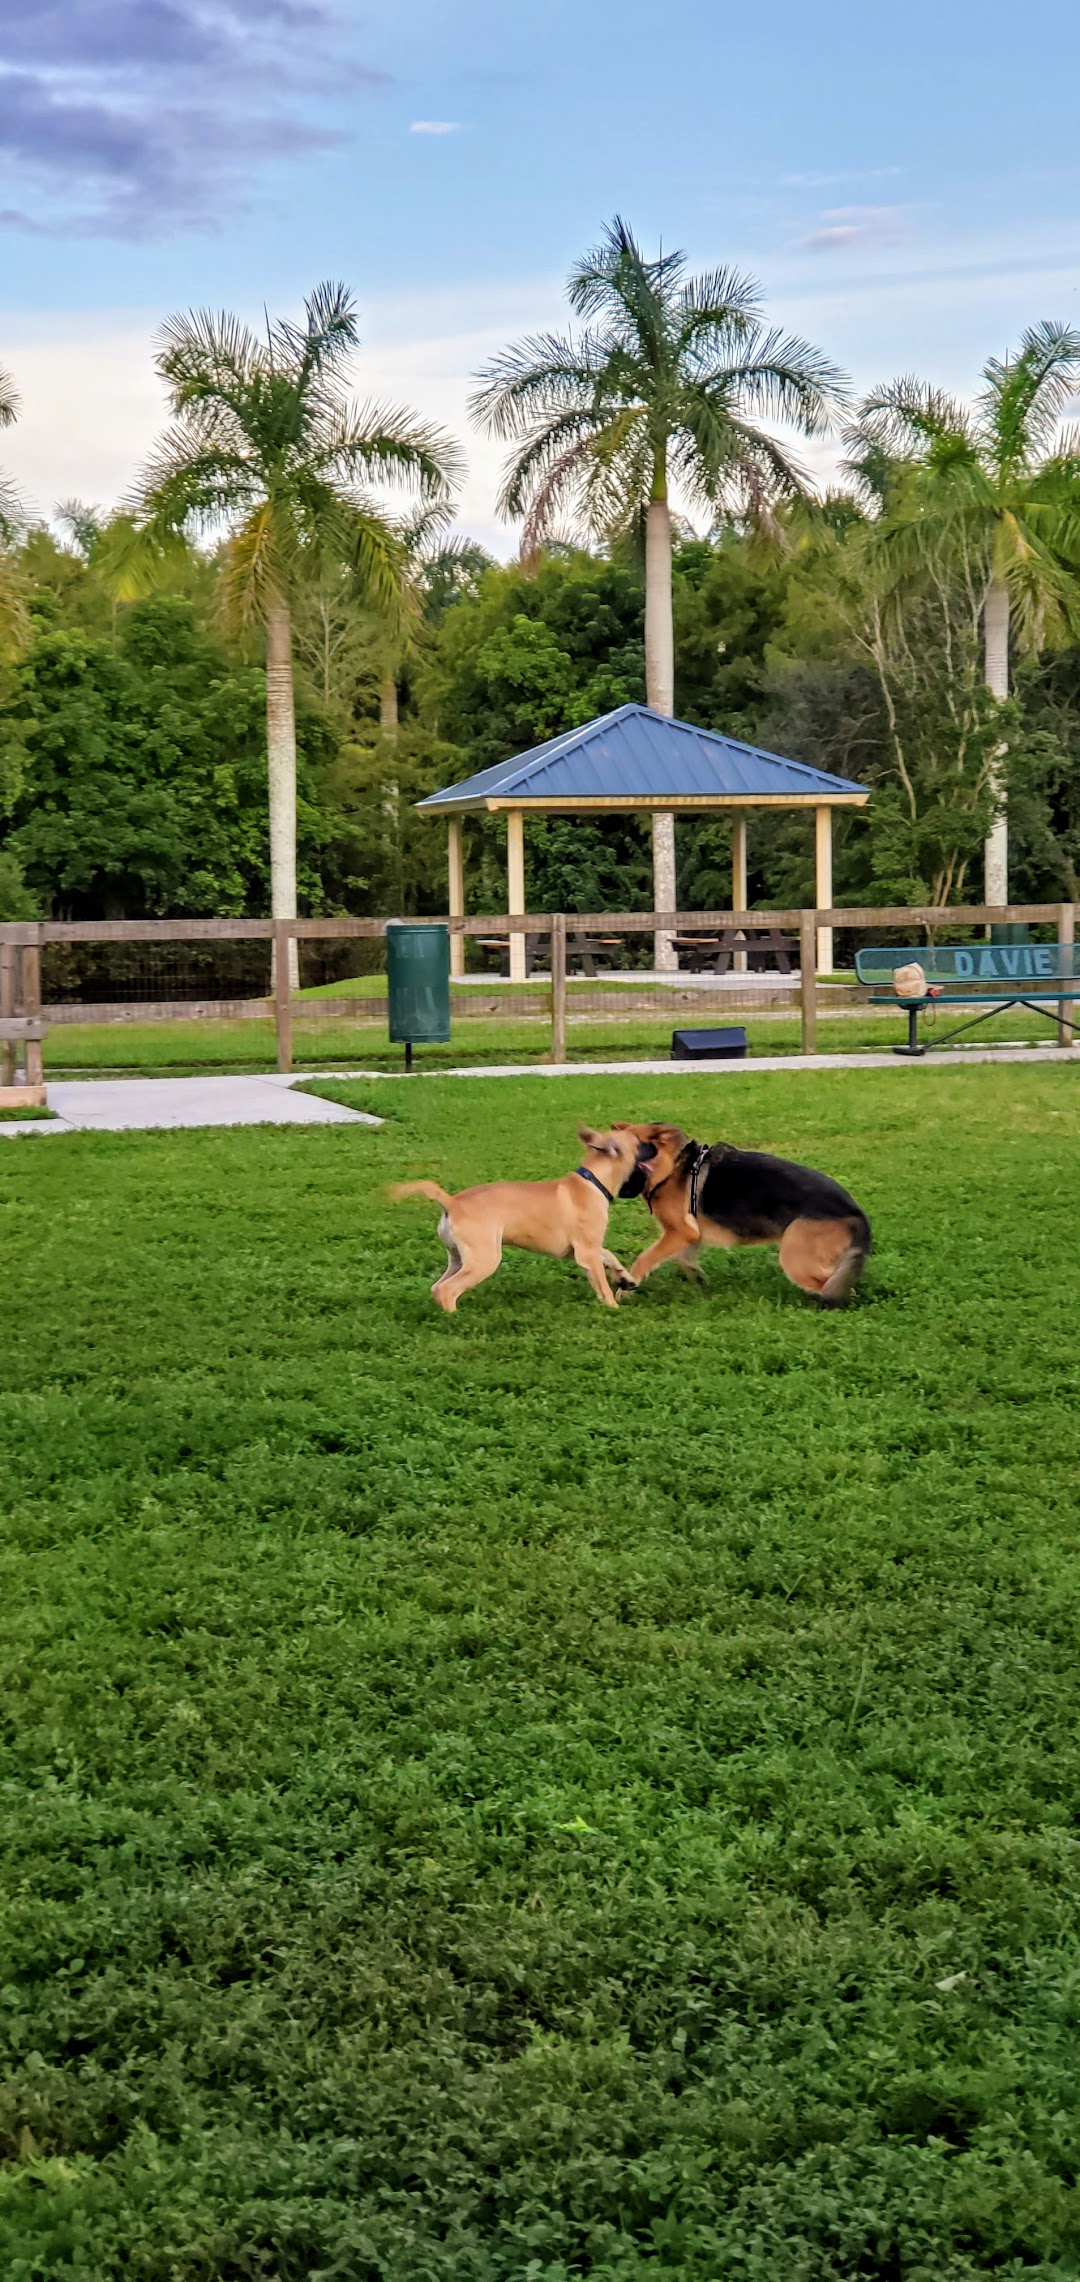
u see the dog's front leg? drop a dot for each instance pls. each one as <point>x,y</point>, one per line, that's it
<point>592,1259</point>
<point>615,1269</point>
<point>667,1247</point>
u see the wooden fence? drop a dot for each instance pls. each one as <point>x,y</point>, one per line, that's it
<point>23,1022</point>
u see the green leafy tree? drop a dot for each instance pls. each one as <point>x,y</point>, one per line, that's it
<point>265,445</point>
<point>996,493</point>
<point>142,789</point>
<point>13,620</point>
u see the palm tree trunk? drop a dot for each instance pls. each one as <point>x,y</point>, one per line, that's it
<point>388,705</point>
<point>281,770</point>
<point>660,694</point>
<point>996,675</point>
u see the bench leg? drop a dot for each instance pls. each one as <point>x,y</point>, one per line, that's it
<point>912,1051</point>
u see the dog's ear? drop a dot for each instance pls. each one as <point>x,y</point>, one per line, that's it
<point>603,1143</point>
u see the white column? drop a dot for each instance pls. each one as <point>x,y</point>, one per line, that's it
<point>665,894</point>
<point>823,884</point>
<point>456,906</point>
<point>738,881</point>
<point>515,887</point>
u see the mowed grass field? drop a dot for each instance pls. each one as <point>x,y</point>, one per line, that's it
<point>173,1048</point>
<point>543,1794</point>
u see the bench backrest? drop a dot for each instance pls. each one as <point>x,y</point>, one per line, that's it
<point>967,965</point>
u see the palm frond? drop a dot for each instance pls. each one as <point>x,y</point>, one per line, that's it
<point>12,511</point>
<point>325,342</point>
<point>780,375</point>
<point>81,524</point>
<point>543,374</point>
<point>206,354</point>
<point>9,402</point>
<point>1024,396</point>
<point>255,570</point>
<point>526,474</point>
<point>381,440</point>
<point>907,418</point>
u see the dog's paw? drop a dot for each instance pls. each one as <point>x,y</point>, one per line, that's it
<point>626,1284</point>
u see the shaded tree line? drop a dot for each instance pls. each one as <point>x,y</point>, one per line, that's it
<point>133,753</point>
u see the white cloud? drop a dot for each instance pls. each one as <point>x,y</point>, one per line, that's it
<point>836,181</point>
<point>845,226</point>
<point>435,127</point>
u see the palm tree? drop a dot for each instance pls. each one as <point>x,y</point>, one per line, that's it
<point>995,490</point>
<point>662,391</point>
<point>265,445</point>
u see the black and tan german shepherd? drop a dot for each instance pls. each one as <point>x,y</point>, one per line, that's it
<point>701,1194</point>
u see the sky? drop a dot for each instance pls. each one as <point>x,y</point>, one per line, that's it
<point>905,184</point>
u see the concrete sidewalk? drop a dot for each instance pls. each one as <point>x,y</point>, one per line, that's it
<point>140,1105</point>
<point>954,1058</point>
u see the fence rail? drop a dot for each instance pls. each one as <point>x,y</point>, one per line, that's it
<point>554,1000</point>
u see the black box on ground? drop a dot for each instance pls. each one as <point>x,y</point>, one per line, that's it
<point>708,1045</point>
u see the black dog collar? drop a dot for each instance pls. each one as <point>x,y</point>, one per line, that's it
<point>584,1174</point>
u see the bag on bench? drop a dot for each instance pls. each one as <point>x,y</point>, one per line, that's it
<point>910,982</point>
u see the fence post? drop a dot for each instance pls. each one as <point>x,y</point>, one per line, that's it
<point>31,1005</point>
<point>282,999</point>
<point>1066,927</point>
<point>808,978</point>
<point>558,987</point>
<point>8,956</point>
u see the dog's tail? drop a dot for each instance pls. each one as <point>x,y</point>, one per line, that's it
<point>420,1188</point>
<point>849,1266</point>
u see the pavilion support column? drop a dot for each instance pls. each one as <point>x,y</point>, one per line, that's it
<point>823,890</point>
<point>456,903</point>
<point>515,887</point>
<point>738,882</point>
<point>665,893</point>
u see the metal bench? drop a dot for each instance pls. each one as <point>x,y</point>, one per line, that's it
<point>987,975</point>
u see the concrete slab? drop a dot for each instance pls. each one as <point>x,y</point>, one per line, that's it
<point>139,1105</point>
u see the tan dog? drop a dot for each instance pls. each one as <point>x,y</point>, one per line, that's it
<point>563,1217</point>
<point>699,1194</point>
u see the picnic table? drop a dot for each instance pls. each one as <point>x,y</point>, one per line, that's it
<point>501,943</point>
<point>592,951</point>
<point>587,952</point>
<point>987,975</point>
<point>713,954</point>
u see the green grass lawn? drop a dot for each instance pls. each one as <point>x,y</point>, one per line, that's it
<point>543,1794</point>
<point>169,1048</point>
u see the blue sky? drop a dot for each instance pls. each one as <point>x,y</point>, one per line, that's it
<point>904,183</point>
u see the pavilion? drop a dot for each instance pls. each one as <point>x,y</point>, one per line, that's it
<point>637,759</point>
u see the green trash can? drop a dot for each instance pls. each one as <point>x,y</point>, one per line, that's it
<point>1010,931</point>
<point>418,984</point>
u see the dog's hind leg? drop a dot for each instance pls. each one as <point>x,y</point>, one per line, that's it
<point>824,1257</point>
<point>453,1256</point>
<point>478,1261</point>
<point>454,1265</point>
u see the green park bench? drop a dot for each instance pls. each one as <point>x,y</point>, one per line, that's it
<point>987,975</point>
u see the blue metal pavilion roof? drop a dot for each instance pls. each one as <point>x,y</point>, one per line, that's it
<point>635,758</point>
